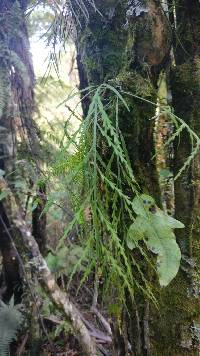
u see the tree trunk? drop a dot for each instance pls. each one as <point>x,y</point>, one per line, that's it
<point>122,46</point>
<point>179,319</point>
<point>16,109</point>
<point>24,98</point>
<point>11,269</point>
<point>127,46</point>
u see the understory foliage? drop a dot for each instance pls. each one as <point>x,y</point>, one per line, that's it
<point>112,217</point>
<point>114,231</point>
<point>11,319</point>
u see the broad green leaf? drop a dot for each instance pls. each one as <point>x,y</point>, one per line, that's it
<point>171,222</point>
<point>142,203</point>
<point>168,262</point>
<point>160,239</point>
<point>155,228</point>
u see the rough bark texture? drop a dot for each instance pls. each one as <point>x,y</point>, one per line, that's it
<point>16,110</point>
<point>179,319</point>
<point>127,46</point>
<point>11,271</point>
<point>23,89</point>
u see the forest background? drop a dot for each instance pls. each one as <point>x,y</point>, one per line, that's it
<point>99,177</point>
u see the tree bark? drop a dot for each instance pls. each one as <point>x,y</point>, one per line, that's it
<point>24,98</point>
<point>11,269</point>
<point>179,318</point>
<point>127,45</point>
<point>16,109</point>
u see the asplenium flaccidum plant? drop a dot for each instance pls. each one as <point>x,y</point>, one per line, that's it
<point>155,228</point>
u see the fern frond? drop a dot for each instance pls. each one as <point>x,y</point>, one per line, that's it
<point>10,320</point>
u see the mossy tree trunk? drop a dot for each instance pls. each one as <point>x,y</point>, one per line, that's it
<point>23,88</point>
<point>128,45</point>
<point>179,319</point>
<point>16,111</point>
<point>10,275</point>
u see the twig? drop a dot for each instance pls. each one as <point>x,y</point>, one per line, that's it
<point>20,349</point>
<point>28,284</point>
<point>146,327</point>
<point>96,288</point>
<point>97,334</point>
<point>104,322</point>
<point>45,277</point>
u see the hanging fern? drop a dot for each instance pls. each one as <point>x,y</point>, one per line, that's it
<point>10,320</point>
<point>100,165</point>
<point>118,222</point>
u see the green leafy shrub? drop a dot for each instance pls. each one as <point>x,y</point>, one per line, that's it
<point>64,259</point>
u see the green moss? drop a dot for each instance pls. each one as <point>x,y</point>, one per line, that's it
<point>179,303</point>
<point>90,64</point>
<point>186,88</point>
<point>102,45</point>
<point>177,311</point>
<point>136,84</point>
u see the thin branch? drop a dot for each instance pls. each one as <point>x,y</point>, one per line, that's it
<point>45,277</point>
<point>21,347</point>
<point>29,285</point>
<point>103,321</point>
